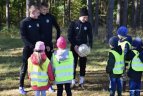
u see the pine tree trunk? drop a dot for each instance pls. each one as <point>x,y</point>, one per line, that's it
<point>7,14</point>
<point>138,14</point>
<point>134,15</point>
<point>69,16</point>
<point>141,14</point>
<point>27,8</point>
<point>22,9</point>
<point>118,14</point>
<point>96,17</point>
<point>125,13</point>
<point>64,15</point>
<point>89,3</point>
<point>109,26</point>
<point>121,12</point>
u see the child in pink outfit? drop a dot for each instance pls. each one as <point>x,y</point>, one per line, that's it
<point>40,70</point>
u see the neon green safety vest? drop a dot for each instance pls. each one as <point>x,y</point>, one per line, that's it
<point>137,65</point>
<point>39,77</point>
<point>63,69</point>
<point>122,44</point>
<point>119,62</point>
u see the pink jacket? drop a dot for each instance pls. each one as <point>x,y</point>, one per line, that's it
<point>34,61</point>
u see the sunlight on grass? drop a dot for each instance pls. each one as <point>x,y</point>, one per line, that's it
<point>96,79</point>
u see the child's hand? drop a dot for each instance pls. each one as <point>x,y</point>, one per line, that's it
<point>48,48</point>
<point>51,82</point>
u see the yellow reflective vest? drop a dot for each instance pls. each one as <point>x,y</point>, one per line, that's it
<point>119,62</point>
<point>63,69</point>
<point>136,63</point>
<point>122,44</point>
<point>38,76</point>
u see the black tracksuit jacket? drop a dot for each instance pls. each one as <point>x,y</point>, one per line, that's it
<point>46,25</point>
<point>29,30</point>
<point>80,33</point>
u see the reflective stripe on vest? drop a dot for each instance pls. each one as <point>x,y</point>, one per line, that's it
<point>63,69</point>
<point>137,65</point>
<point>123,44</point>
<point>39,77</point>
<point>119,62</point>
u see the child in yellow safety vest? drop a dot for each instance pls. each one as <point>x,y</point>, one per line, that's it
<point>135,56</point>
<point>40,70</point>
<point>115,66</point>
<point>125,42</point>
<point>63,66</point>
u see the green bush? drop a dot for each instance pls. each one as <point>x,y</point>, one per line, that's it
<point>12,32</point>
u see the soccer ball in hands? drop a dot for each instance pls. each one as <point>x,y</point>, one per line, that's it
<point>83,50</point>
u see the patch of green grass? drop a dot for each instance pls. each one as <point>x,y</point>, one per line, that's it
<point>96,83</point>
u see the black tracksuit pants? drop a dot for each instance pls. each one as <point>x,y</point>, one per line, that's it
<point>49,53</point>
<point>67,88</point>
<point>27,51</point>
<point>82,63</point>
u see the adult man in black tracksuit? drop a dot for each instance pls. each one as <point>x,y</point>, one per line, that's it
<point>47,21</point>
<point>29,30</point>
<point>80,32</point>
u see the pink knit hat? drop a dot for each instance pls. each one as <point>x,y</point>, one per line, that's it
<point>61,42</point>
<point>39,46</point>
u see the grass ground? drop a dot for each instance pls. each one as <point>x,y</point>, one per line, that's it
<point>96,83</point>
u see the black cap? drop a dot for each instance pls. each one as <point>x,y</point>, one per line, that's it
<point>83,11</point>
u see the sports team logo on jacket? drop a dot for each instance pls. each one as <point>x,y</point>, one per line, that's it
<point>47,20</point>
<point>29,26</point>
<point>37,24</point>
<point>85,28</point>
<point>77,28</point>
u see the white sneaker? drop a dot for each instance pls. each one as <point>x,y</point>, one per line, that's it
<point>21,91</point>
<point>81,79</point>
<point>74,83</point>
<point>51,90</point>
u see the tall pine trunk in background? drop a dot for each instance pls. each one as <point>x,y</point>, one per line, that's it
<point>138,14</point>
<point>125,13</point>
<point>118,14</point>
<point>7,14</point>
<point>22,10</point>
<point>96,17</point>
<point>69,11</point>
<point>141,14</point>
<point>27,8</point>
<point>134,15</point>
<point>109,26</point>
<point>89,3</point>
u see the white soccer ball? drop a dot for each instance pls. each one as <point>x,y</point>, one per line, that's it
<point>83,50</point>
